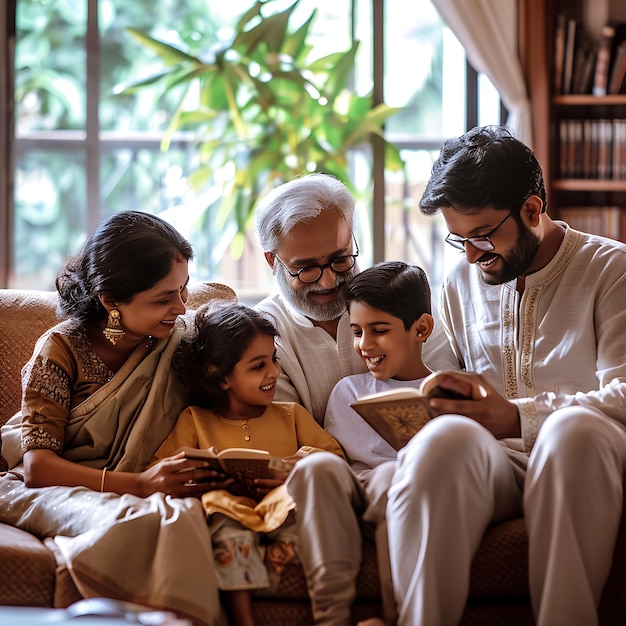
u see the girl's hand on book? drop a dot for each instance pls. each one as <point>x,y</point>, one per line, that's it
<point>262,486</point>
<point>482,403</point>
<point>214,480</point>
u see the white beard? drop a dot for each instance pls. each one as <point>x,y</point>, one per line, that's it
<point>299,300</point>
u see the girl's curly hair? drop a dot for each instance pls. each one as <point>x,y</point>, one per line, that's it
<point>221,334</point>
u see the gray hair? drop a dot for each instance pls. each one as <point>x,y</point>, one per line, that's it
<point>300,200</point>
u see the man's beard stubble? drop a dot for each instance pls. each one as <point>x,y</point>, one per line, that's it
<point>299,300</point>
<point>518,260</point>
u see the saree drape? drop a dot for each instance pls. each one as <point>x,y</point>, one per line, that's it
<point>154,551</point>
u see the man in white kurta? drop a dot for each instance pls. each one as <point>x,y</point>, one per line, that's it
<point>539,310</point>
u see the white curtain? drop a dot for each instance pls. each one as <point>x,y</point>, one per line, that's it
<point>488,30</point>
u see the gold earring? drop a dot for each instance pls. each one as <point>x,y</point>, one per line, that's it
<point>113,331</point>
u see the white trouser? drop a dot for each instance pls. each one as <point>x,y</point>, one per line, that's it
<point>573,499</point>
<point>330,501</point>
<point>454,478</point>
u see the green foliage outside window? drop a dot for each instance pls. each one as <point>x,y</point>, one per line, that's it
<point>263,109</point>
<point>246,102</point>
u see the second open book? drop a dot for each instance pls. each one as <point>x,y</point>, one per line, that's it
<point>242,464</point>
<point>397,414</point>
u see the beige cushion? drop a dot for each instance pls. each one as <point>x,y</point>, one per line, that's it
<point>24,316</point>
<point>27,569</point>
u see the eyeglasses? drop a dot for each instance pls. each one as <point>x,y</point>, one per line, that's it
<point>482,242</point>
<point>312,273</point>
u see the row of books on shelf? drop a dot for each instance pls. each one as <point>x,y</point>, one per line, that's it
<point>607,221</point>
<point>592,149</point>
<point>585,66</point>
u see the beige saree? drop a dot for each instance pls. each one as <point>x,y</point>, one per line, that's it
<point>154,551</point>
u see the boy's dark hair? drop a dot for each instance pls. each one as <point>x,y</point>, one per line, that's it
<point>485,167</point>
<point>394,287</point>
<point>222,333</point>
<point>128,253</point>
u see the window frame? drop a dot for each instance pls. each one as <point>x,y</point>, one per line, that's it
<point>7,46</point>
<point>94,142</point>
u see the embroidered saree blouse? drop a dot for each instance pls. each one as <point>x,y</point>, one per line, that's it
<point>74,405</point>
<point>64,373</point>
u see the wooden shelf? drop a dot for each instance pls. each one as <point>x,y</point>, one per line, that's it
<point>585,99</point>
<point>586,184</point>
<point>561,121</point>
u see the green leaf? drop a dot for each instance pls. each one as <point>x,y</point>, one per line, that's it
<point>295,44</point>
<point>200,177</point>
<point>339,74</point>
<point>197,117</point>
<point>170,54</point>
<point>393,159</point>
<point>213,93</point>
<point>270,31</point>
<point>136,86</point>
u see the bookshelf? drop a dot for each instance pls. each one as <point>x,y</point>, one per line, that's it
<point>579,138</point>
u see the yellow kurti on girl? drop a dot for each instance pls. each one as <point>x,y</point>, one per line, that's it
<point>284,429</point>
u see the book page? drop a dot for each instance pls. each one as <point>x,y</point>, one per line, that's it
<point>243,453</point>
<point>399,393</point>
<point>202,454</point>
<point>396,420</point>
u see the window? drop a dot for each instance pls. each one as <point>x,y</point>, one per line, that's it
<point>82,150</point>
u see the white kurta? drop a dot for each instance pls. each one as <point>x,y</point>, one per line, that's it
<point>561,343</point>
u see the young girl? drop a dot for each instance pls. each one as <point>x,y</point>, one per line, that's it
<point>229,363</point>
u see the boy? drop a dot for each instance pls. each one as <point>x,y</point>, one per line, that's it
<point>390,317</point>
<point>389,307</point>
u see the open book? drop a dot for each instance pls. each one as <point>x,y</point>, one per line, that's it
<point>242,464</point>
<point>397,414</point>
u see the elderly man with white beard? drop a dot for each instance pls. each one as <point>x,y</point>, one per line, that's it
<point>306,231</point>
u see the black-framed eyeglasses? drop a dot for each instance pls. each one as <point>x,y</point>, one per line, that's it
<point>312,273</point>
<point>482,242</point>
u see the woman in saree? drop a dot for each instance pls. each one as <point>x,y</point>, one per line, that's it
<point>98,400</point>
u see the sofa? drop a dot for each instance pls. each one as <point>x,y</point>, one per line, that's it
<point>30,575</point>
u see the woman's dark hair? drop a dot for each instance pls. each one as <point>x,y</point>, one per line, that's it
<point>485,167</point>
<point>393,287</point>
<point>222,333</point>
<point>128,253</point>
